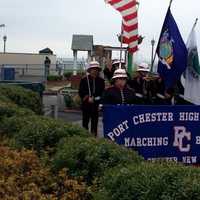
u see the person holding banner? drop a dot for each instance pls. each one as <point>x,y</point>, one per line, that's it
<point>90,91</point>
<point>119,93</point>
<point>138,83</point>
<point>164,96</point>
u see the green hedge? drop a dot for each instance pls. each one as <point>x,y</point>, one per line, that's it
<point>115,172</point>
<point>10,126</point>
<point>23,97</point>
<point>54,78</point>
<point>5,99</point>
<point>9,109</point>
<point>41,133</point>
<point>149,181</point>
<point>68,75</point>
<point>90,157</point>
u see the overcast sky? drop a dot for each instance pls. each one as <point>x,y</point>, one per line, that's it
<point>32,25</point>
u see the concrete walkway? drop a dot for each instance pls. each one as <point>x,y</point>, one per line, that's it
<point>71,116</point>
<point>75,117</point>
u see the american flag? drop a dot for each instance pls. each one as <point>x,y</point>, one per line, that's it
<point>128,10</point>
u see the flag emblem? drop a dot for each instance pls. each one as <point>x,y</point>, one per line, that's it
<point>166,49</point>
<point>193,63</point>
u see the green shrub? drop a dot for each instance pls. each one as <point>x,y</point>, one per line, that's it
<point>68,75</point>
<point>68,100</point>
<point>41,133</point>
<point>10,126</point>
<point>81,73</point>
<point>149,182</point>
<point>54,78</point>
<point>4,99</point>
<point>9,109</point>
<point>22,97</point>
<point>72,101</point>
<point>90,157</point>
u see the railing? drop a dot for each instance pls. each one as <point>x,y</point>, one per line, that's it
<point>34,72</point>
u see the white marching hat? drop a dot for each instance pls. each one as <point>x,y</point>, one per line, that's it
<point>143,67</point>
<point>118,62</point>
<point>120,73</point>
<point>93,64</point>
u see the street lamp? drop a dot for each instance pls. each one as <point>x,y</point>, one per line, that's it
<point>4,42</point>
<point>4,38</point>
<point>152,53</point>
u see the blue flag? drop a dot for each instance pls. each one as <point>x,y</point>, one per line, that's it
<point>172,52</point>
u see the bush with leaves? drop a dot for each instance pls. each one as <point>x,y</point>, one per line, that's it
<point>22,176</point>
<point>9,109</point>
<point>68,100</point>
<point>148,181</point>
<point>10,126</point>
<point>22,97</point>
<point>90,157</point>
<point>4,99</point>
<point>41,133</point>
<point>54,78</point>
<point>68,75</point>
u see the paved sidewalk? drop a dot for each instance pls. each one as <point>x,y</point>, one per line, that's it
<point>75,118</point>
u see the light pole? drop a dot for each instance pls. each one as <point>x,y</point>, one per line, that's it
<point>4,38</point>
<point>2,74</point>
<point>152,53</point>
<point>4,42</point>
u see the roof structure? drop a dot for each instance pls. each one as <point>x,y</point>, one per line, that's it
<point>46,51</point>
<point>82,42</point>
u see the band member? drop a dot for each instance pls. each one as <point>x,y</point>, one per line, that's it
<point>162,95</point>
<point>139,83</point>
<point>119,93</point>
<point>90,91</point>
<point>111,67</point>
<point>169,96</point>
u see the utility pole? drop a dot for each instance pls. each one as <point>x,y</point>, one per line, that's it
<point>4,42</point>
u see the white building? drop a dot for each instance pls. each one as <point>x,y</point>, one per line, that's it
<point>28,66</point>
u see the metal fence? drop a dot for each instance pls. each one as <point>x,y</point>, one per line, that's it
<point>34,72</point>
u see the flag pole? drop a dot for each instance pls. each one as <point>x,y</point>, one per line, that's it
<point>170,3</point>
<point>195,23</point>
<point>121,45</point>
